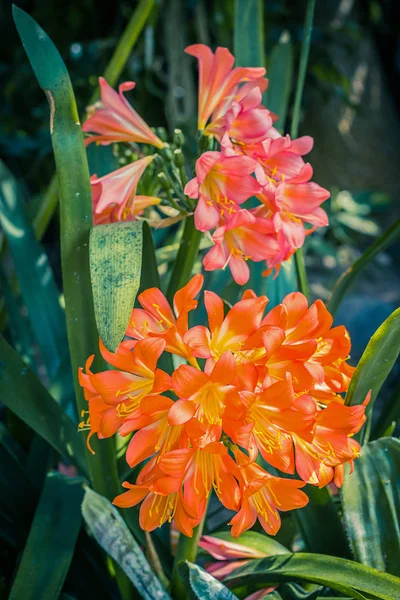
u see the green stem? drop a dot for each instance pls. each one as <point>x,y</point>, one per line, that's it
<point>187,550</point>
<point>187,254</point>
<point>305,51</point>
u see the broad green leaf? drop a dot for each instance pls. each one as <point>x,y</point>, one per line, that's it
<point>371,505</point>
<point>76,218</point>
<point>348,278</point>
<point>25,396</point>
<point>115,265</point>
<point>252,539</point>
<point>36,281</point>
<point>110,531</point>
<point>280,75</point>
<point>375,365</point>
<point>201,585</point>
<point>345,576</point>
<point>50,546</point>
<point>249,33</point>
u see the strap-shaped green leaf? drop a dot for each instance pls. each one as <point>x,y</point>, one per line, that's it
<point>25,396</point>
<point>36,280</point>
<point>249,33</point>
<point>375,365</point>
<point>371,505</point>
<point>200,585</point>
<point>345,576</point>
<point>112,534</point>
<point>348,278</point>
<point>50,546</point>
<point>280,75</point>
<point>115,265</point>
<point>76,219</point>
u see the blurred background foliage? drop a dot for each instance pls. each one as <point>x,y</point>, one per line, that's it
<point>351,107</point>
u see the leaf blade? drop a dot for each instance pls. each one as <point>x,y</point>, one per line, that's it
<point>345,576</point>
<point>115,264</point>
<point>30,401</point>
<point>371,505</point>
<point>374,366</point>
<point>55,529</point>
<point>203,586</point>
<point>114,537</point>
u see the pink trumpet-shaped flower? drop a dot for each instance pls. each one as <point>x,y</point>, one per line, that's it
<point>114,195</point>
<point>230,556</point>
<point>116,120</point>
<point>217,78</point>
<point>221,184</point>
<point>243,237</point>
<point>244,118</point>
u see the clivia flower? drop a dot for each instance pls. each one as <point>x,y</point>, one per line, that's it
<point>114,195</point>
<point>116,121</point>
<point>217,78</point>
<point>222,183</point>
<point>241,238</point>
<point>270,384</point>
<point>242,117</point>
<point>156,319</point>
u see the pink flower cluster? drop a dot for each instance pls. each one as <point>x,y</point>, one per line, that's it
<point>254,160</point>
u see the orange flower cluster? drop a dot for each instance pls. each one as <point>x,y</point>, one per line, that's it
<point>256,385</point>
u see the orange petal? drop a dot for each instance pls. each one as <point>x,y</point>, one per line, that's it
<point>181,412</point>
<point>224,371</point>
<point>132,497</point>
<point>187,380</point>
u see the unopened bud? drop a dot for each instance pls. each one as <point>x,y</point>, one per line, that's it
<point>179,159</point>
<point>163,180</point>
<point>178,138</point>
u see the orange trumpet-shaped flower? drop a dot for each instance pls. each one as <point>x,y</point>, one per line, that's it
<point>103,419</point>
<point>116,120</point>
<point>162,501</point>
<point>217,78</point>
<point>225,333</point>
<point>158,320</point>
<point>270,385</point>
<point>263,497</point>
<point>203,396</point>
<point>115,394</point>
<point>114,195</point>
<point>201,470</point>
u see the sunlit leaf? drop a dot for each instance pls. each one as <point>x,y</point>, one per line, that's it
<point>371,505</point>
<point>112,534</point>
<point>201,585</point>
<point>374,367</point>
<point>345,576</point>
<point>115,265</point>
<point>76,219</point>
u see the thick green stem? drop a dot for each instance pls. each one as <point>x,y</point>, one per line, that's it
<point>305,51</point>
<point>187,550</point>
<point>187,254</point>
